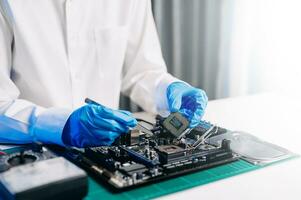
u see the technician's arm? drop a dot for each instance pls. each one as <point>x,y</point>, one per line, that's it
<point>146,80</point>
<point>145,77</point>
<point>45,125</point>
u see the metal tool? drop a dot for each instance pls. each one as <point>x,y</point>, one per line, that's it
<point>139,125</point>
<point>205,136</point>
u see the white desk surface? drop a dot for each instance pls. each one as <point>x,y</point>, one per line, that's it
<point>276,119</point>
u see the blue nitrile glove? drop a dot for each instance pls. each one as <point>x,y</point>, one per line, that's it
<point>191,102</point>
<point>96,125</point>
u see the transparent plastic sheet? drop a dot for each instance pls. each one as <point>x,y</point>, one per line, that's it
<point>252,149</point>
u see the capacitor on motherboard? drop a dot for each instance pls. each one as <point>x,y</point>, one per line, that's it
<point>147,153</point>
<point>117,165</point>
<point>154,171</point>
<point>183,145</point>
<point>152,154</point>
<point>139,175</point>
<point>134,177</point>
<point>153,143</point>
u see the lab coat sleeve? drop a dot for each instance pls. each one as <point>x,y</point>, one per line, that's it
<point>44,125</point>
<point>145,77</point>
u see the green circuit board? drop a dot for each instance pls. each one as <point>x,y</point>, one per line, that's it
<point>97,191</point>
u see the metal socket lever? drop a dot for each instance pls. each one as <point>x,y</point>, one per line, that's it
<point>205,136</point>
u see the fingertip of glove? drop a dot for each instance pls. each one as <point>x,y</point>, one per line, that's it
<point>126,112</point>
<point>107,110</point>
<point>195,120</point>
<point>134,122</point>
<point>97,109</point>
<point>131,123</point>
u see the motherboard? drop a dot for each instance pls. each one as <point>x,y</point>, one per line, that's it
<point>153,152</point>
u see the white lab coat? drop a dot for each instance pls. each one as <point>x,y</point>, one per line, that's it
<point>55,53</point>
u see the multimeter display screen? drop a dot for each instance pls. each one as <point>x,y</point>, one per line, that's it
<point>175,122</point>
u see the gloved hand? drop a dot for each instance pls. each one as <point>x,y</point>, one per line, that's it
<point>96,125</point>
<point>191,102</point>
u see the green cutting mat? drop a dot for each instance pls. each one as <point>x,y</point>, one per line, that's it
<point>96,191</point>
